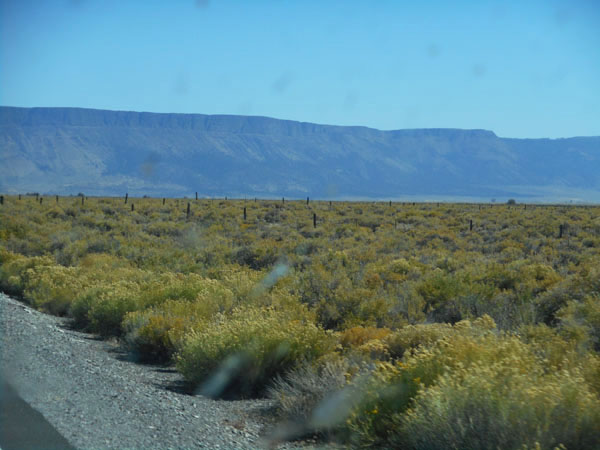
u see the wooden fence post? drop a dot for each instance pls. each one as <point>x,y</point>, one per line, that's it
<point>188,210</point>
<point>126,197</point>
<point>314,220</point>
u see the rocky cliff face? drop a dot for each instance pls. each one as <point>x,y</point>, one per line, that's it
<point>71,150</point>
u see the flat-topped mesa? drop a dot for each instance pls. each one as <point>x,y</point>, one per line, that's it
<point>201,122</point>
<point>70,150</point>
<point>450,133</point>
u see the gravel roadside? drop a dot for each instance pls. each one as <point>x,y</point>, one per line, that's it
<point>88,391</point>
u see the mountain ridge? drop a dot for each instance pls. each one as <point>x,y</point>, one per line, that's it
<point>191,120</point>
<point>104,152</point>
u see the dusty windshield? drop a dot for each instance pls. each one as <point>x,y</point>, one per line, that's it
<point>278,224</point>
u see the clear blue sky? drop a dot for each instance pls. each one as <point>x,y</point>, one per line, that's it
<point>520,68</point>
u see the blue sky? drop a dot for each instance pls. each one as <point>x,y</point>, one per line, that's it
<point>520,68</point>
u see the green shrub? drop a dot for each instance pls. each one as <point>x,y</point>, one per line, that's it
<point>299,393</point>
<point>441,292</point>
<point>580,321</point>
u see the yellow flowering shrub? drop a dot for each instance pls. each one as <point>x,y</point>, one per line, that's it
<point>500,405</point>
<point>16,271</point>
<point>246,349</point>
<point>52,288</point>
<point>474,389</point>
<point>357,336</point>
<point>102,307</point>
<point>560,352</point>
<point>414,336</point>
<point>155,333</point>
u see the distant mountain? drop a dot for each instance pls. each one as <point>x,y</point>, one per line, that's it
<point>71,150</point>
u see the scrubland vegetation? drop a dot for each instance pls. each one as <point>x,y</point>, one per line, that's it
<point>385,325</point>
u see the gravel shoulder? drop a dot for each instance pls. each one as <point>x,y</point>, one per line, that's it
<point>95,397</point>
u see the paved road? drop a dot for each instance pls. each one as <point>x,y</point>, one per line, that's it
<point>22,427</point>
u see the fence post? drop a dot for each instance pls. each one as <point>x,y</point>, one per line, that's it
<point>314,220</point>
<point>560,230</point>
<point>57,199</point>
<point>244,213</point>
<point>41,200</point>
<point>126,197</point>
<point>196,196</point>
<point>471,225</point>
<point>82,199</point>
<point>307,200</point>
<point>132,207</point>
<point>163,201</point>
<point>188,210</point>
<point>1,199</point>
